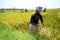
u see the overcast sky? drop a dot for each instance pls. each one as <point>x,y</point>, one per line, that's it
<point>30,4</point>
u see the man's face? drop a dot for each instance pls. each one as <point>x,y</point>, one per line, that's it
<point>37,12</point>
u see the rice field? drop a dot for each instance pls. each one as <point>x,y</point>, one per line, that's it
<point>15,25</point>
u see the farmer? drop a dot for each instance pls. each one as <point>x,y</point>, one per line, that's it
<point>26,10</point>
<point>35,18</point>
<point>44,10</point>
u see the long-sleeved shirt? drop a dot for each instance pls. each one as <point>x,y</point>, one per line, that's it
<point>35,18</point>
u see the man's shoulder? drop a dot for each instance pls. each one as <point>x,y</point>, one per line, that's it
<point>33,14</point>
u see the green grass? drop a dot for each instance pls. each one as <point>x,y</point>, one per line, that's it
<point>15,25</point>
<point>14,34</point>
<point>2,27</point>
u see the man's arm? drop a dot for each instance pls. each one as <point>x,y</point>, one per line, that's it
<point>31,20</point>
<point>41,20</point>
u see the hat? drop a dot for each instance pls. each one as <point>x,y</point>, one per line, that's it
<point>39,9</point>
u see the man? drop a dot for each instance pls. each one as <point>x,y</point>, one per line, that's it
<point>44,10</point>
<point>34,20</point>
<point>26,10</point>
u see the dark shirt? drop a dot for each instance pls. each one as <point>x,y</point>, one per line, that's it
<point>35,18</point>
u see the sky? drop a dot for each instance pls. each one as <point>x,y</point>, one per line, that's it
<point>29,4</point>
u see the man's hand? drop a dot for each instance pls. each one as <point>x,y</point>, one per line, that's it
<point>44,25</point>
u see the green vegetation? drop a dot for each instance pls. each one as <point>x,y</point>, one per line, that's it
<point>15,25</point>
